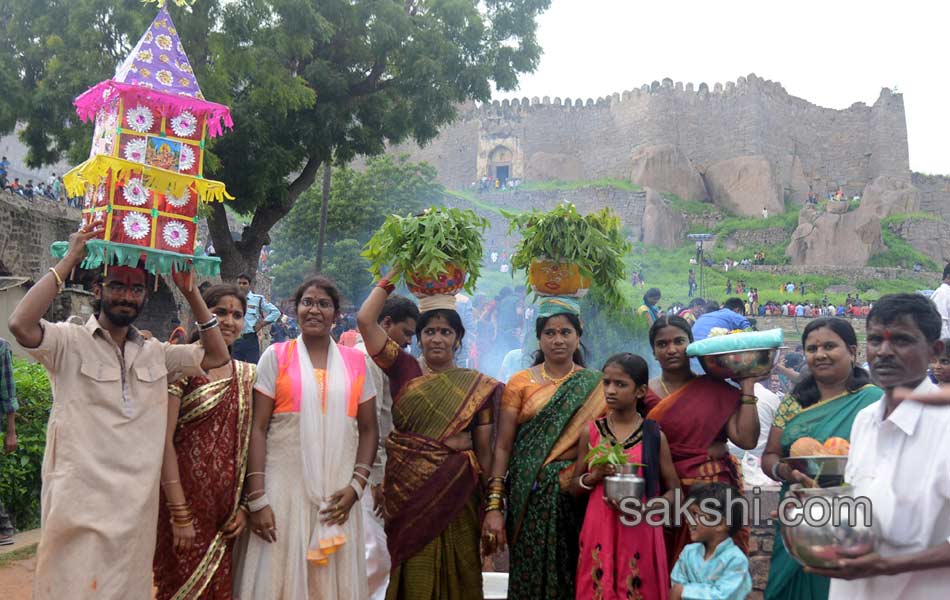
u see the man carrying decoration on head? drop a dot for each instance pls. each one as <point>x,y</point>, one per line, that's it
<point>141,188</point>
<point>106,430</point>
<point>260,312</point>
<point>900,461</point>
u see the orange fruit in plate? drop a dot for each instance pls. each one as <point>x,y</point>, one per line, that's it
<point>836,446</point>
<point>806,446</point>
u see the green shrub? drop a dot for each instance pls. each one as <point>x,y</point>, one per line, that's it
<point>20,472</point>
<point>899,253</point>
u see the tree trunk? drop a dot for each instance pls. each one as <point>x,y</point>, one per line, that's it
<point>242,256</point>
<point>324,205</point>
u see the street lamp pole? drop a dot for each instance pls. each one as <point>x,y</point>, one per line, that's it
<point>699,238</point>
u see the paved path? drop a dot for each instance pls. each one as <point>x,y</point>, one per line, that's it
<point>16,578</point>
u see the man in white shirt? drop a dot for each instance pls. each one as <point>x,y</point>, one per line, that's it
<point>941,299</point>
<point>398,318</point>
<point>900,461</point>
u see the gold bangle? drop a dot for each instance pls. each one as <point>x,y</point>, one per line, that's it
<point>754,400</point>
<point>59,280</point>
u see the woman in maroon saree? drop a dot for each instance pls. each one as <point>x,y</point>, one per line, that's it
<point>698,413</point>
<point>204,468</point>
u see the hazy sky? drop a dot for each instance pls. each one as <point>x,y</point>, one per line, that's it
<point>832,53</point>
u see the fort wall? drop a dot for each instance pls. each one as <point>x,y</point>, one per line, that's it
<point>590,139</point>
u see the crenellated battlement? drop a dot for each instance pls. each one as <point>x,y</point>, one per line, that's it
<point>667,89</point>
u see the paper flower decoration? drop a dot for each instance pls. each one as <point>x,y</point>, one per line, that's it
<point>138,182</point>
<point>175,234</point>
<point>135,225</point>
<point>178,201</point>
<point>135,150</point>
<point>187,160</point>
<point>135,192</point>
<point>140,118</point>
<point>185,124</point>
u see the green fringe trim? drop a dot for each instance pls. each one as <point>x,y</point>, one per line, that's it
<point>158,262</point>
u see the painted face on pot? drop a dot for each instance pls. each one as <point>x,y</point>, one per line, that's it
<point>315,312</point>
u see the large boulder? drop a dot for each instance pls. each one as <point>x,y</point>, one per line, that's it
<point>666,168</point>
<point>929,236</point>
<point>794,183</point>
<point>888,195</point>
<point>662,226</point>
<point>848,239</point>
<point>744,186</point>
<point>543,166</point>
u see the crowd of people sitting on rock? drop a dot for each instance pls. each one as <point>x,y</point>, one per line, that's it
<point>853,308</point>
<point>490,183</point>
<point>51,189</point>
<point>757,259</point>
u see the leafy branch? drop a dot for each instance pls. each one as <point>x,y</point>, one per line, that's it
<point>593,242</point>
<point>422,245</point>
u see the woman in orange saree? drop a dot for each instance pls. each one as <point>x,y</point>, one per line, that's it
<point>698,413</point>
<point>205,456</point>
<point>544,410</point>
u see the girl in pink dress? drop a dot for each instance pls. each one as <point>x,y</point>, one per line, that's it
<point>621,561</point>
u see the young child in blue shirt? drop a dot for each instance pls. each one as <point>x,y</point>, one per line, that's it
<point>713,567</point>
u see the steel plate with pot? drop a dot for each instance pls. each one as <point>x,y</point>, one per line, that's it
<point>740,364</point>
<point>821,546</point>
<point>827,471</point>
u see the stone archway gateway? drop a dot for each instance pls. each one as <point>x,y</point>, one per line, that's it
<point>500,163</point>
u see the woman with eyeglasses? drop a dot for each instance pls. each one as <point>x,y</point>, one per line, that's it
<point>313,439</point>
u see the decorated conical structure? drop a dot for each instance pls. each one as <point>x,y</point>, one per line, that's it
<point>144,176</point>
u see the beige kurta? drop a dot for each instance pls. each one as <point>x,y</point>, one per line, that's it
<point>103,460</point>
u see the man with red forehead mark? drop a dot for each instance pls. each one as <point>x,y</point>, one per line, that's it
<point>106,430</point>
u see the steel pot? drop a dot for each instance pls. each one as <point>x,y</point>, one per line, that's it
<point>822,545</point>
<point>624,485</point>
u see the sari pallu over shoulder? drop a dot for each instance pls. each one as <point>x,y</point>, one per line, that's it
<point>427,483</point>
<point>693,418</point>
<point>220,400</point>
<point>538,437</point>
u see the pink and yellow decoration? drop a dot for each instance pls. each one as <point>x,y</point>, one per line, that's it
<point>144,176</point>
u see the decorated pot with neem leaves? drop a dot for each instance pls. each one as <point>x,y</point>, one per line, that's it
<point>449,282</point>
<point>551,278</point>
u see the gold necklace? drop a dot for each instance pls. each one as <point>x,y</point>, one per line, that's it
<point>555,380</point>
<point>666,390</point>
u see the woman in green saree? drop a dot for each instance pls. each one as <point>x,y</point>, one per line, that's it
<point>437,454</point>
<point>544,409</point>
<point>823,405</point>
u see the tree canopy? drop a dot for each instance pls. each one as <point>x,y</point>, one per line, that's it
<point>360,200</point>
<point>307,81</point>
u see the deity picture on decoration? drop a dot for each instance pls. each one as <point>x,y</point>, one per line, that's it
<point>163,153</point>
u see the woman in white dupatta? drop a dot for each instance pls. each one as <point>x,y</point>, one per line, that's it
<point>313,439</point>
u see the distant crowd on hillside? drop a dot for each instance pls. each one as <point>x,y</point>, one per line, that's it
<point>51,189</point>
